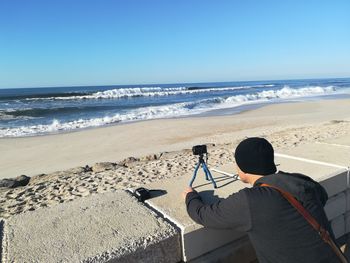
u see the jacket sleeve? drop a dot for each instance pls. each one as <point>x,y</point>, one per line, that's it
<point>231,212</point>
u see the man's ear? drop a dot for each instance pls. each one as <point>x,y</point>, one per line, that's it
<point>242,175</point>
<point>238,169</point>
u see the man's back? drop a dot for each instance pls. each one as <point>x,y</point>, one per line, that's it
<point>276,229</point>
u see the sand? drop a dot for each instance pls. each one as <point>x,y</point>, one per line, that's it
<point>63,166</point>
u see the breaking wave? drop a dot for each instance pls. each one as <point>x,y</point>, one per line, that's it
<point>148,92</point>
<point>170,110</point>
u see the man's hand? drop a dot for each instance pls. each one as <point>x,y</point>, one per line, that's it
<point>186,191</point>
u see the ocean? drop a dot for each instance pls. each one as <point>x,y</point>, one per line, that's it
<point>39,111</point>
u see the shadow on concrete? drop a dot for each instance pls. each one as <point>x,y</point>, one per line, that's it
<point>156,193</point>
<point>221,181</point>
<point>226,245</point>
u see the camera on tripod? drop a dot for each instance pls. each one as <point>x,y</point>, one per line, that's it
<point>201,150</point>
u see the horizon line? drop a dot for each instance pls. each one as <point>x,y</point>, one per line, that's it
<point>173,83</point>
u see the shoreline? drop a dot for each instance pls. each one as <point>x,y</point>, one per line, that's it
<point>216,112</point>
<point>210,113</point>
<point>50,153</point>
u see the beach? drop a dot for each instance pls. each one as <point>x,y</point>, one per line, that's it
<point>67,166</point>
<point>104,106</point>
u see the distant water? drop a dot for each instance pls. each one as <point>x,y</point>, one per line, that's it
<point>36,111</point>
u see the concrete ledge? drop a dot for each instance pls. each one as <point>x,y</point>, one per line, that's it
<point>316,171</point>
<point>202,240</point>
<point>327,153</point>
<point>333,179</point>
<point>335,206</point>
<point>348,200</point>
<point>240,251</point>
<point>111,227</point>
<point>335,183</point>
<point>343,141</point>
<point>338,226</point>
<point>347,222</point>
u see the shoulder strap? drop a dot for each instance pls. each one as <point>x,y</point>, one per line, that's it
<point>312,221</point>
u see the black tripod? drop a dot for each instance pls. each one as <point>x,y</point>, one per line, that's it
<point>208,176</point>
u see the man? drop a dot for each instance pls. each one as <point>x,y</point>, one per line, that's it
<point>278,232</point>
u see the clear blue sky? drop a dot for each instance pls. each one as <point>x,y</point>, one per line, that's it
<point>83,42</point>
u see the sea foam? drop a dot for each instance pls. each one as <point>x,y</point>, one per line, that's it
<point>147,92</point>
<point>170,110</point>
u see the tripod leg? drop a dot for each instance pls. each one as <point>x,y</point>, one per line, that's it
<point>208,174</point>
<point>194,175</point>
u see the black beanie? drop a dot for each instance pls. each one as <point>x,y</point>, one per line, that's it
<point>255,156</point>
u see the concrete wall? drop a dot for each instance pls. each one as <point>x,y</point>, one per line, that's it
<point>111,227</point>
<point>337,205</point>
